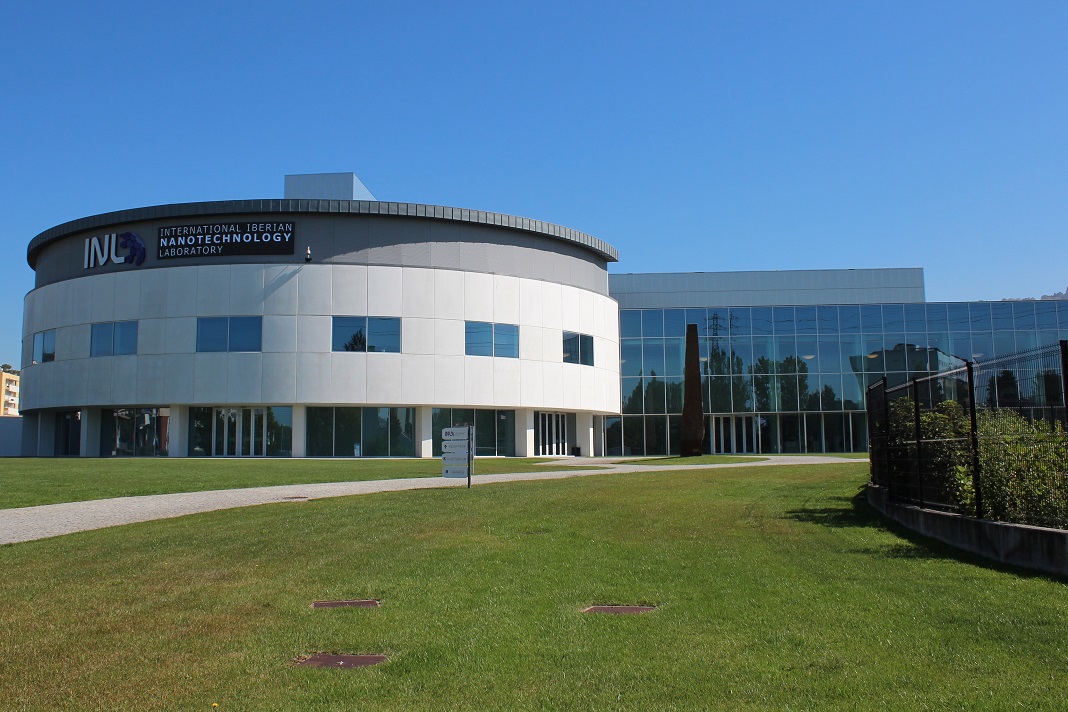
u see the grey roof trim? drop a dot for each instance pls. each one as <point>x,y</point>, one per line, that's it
<point>360,207</point>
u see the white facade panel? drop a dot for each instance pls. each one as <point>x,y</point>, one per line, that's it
<point>448,294</point>
<point>246,290</point>
<point>418,292</point>
<point>449,380</point>
<point>152,336</point>
<point>279,380</point>
<point>280,333</point>
<point>213,290</point>
<point>127,296</point>
<point>506,299</point>
<point>417,379</point>
<point>243,378</point>
<point>314,289</point>
<point>384,291</point>
<point>417,335</point>
<point>478,297</point>
<point>181,291</point>
<point>209,377</point>
<point>280,289</point>
<point>384,378</point>
<point>348,378</point>
<point>181,335</point>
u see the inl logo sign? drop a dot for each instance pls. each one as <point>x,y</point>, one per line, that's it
<point>99,250</point>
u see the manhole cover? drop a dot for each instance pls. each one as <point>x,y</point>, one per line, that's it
<point>362,603</point>
<point>619,609</point>
<point>336,660</point>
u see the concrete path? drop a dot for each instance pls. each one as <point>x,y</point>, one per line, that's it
<point>41,522</point>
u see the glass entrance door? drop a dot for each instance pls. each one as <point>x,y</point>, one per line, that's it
<point>734,434</point>
<point>240,432</point>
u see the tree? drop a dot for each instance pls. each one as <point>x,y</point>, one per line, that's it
<point>693,419</point>
<point>358,342</point>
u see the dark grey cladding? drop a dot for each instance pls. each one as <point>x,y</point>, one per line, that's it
<point>350,232</point>
<point>298,207</point>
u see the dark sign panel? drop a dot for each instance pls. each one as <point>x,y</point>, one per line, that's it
<point>226,240</point>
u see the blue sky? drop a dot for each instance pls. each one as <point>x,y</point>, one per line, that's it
<point>692,136</point>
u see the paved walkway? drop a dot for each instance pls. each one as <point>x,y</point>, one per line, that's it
<point>41,522</point>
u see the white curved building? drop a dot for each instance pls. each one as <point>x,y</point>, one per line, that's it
<point>316,327</point>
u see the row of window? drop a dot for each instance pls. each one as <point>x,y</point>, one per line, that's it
<point>348,334</point>
<point>846,319</point>
<point>767,433</point>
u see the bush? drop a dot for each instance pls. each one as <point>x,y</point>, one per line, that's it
<point>1023,468</point>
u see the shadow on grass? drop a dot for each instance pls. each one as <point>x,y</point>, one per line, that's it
<point>855,512</point>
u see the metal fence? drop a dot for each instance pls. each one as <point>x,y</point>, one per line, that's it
<point>988,440</point>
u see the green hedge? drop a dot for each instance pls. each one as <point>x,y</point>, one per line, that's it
<point>1023,464</point>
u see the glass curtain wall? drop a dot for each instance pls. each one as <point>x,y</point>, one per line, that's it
<point>494,429</point>
<point>793,379</point>
<point>134,432</point>
<point>360,432</point>
<point>241,431</point>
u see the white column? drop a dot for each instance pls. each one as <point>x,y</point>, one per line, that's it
<point>178,431</point>
<point>300,420</point>
<point>524,432</point>
<point>584,434</point>
<point>424,431</point>
<point>46,434</point>
<point>90,436</point>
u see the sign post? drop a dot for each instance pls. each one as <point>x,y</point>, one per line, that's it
<point>458,452</point>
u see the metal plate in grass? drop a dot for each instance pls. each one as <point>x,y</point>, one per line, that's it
<point>619,609</point>
<point>360,603</point>
<point>340,660</point>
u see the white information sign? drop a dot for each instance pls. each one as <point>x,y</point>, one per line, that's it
<point>457,451</point>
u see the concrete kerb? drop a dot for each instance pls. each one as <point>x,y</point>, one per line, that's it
<point>44,521</point>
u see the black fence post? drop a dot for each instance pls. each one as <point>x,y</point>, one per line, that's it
<point>1064,378</point>
<point>919,447</point>
<point>975,443</point>
<point>886,442</point>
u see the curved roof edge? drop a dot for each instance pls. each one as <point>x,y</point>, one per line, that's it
<point>311,206</point>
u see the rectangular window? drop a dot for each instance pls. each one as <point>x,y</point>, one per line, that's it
<point>578,348</point>
<point>483,338</point>
<point>571,347</point>
<point>349,333</point>
<point>235,333</point>
<point>114,338</point>
<point>478,338</point>
<point>103,339</point>
<point>506,340</point>
<point>44,346</point>
<point>383,334</point>
<point>246,333</point>
<point>362,334</point>
<point>125,337</point>
<point>212,333</point>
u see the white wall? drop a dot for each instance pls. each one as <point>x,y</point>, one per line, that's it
<point>296,364</point>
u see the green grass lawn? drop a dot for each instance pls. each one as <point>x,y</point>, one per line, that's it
<point>777,590</point>
<point>30,481</point>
